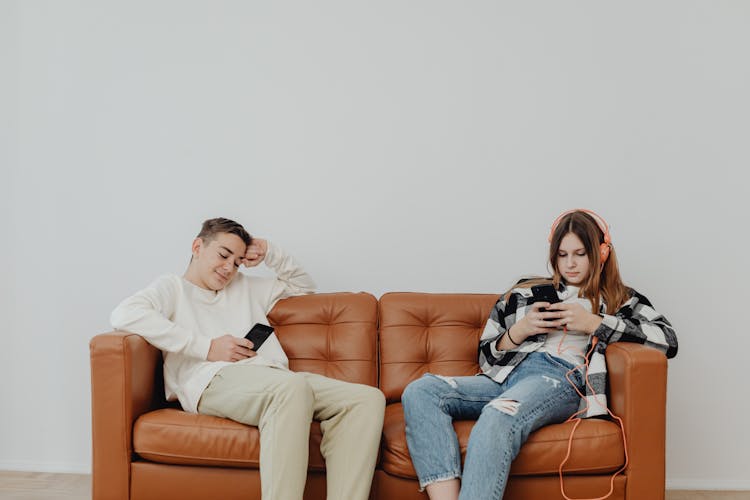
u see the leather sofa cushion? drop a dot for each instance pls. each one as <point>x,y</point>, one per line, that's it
<point>424,332</point>
<point>172,436</point>
<point>331,334</point>
<point>597,447</point>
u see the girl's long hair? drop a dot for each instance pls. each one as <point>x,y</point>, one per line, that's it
<point>603,281</point>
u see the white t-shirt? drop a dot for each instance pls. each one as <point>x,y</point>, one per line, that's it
<point>181,319</point>
<point>570,347</point>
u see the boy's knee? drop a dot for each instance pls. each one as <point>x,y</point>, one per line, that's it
<point>374,399</point>
<point>366,398</point>
<point>366,410</point>
<point>296,388</point>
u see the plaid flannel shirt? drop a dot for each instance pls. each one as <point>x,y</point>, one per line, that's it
<point>636,321</point>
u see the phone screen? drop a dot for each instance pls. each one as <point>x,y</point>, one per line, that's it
<point>545,293</point>
<point>258,334</point>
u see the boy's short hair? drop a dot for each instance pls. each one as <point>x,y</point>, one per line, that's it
<point>212,227</point>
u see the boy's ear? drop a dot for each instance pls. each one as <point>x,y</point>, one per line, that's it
<point>197,246</point>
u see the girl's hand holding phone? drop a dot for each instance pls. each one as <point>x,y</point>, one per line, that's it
<point>575,318</point>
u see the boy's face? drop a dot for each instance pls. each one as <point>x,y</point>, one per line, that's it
<point>216,262</point>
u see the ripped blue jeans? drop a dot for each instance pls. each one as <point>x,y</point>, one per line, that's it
<point>535,394</point>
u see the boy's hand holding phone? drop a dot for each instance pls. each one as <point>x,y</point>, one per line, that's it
<point>230,348</point>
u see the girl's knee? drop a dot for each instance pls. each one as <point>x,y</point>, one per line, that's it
<point>504,419</point>
<point>500,415</point>
<point>506,406</point>
<point>413,391</point>
<point>426,388</point>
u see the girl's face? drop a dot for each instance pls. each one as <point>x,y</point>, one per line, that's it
<point>572,260</point>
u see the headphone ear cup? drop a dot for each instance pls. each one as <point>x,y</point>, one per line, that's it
<point>603,252</point>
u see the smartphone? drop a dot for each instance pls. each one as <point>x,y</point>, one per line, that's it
<point>545,293</point>
<point>258,334</point>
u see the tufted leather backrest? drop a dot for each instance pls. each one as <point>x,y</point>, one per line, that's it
<point>424,332</point>
<point>332,334</point>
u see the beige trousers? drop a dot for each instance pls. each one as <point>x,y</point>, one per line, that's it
<point>282,404</point>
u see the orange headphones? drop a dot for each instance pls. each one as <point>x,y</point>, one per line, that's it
<point>604,247</point>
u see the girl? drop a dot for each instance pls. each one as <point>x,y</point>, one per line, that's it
<point>525,352</point>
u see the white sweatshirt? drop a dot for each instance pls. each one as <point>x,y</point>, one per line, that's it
<point>181,319</point>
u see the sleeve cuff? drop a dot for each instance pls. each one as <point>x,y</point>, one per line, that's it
<point>607,327</point>
<point>493,347</point>
<point>199,348</point>
<point>272,256</point>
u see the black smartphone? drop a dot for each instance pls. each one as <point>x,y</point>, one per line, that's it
<point>545,293</point>
<point>258,334</point>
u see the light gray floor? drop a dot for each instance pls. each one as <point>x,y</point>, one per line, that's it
<point>48,486</point>
<point>44,486</point>
<point>707,495</point>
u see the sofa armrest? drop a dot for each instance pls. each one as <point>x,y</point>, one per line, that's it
<point>638,395</point>
<point>123,373</point>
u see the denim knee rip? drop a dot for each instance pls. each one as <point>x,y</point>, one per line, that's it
<point>555,383</point>
<point>511,406</point>
<point>507,406</point>
<point>448,380</point>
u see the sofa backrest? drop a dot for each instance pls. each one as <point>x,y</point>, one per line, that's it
<point>424,332</point>
<point>332,334</point>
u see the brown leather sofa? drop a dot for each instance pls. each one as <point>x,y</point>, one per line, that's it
<point>147,448</point>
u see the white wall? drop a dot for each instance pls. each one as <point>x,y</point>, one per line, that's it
<point>422,145</point>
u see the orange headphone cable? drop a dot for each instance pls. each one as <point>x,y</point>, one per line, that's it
<point>575,416</point>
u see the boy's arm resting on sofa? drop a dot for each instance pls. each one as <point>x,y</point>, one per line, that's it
<point>147,313</point>
<point>123,372</point>
<point>638,395</point>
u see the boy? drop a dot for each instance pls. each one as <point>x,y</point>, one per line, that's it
<point>199,320</point>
